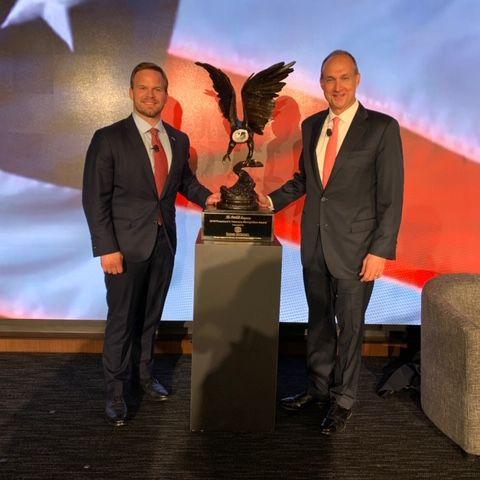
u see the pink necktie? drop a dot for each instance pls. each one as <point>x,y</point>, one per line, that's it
<point>330,152</point>
<point>160,164</point>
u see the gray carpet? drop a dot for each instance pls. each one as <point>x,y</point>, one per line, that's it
<point>52,427</point>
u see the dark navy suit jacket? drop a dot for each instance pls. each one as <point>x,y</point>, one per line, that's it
<point>360,209</point>
<point>120,198</point>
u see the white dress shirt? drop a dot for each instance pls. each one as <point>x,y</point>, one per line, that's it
<point>346,118</point>
<point>144,128</point>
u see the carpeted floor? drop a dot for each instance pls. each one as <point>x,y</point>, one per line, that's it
<point>52,427</point>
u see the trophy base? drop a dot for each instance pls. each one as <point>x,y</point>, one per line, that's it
<point>245,206</point>
<point>240,196</point>
<point>237,225</point>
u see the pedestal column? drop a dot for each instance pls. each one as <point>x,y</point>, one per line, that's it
<point>235,335</point>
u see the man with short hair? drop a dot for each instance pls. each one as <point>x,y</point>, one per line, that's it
<point>133,172</point>
<point>351,170</point>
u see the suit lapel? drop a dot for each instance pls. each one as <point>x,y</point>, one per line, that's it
<point>171,132</point>
<point>139,151</point>
<point>354,135</point>
<point>315,135</point>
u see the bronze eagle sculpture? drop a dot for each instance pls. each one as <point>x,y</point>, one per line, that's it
<point>259,93</point>
<point>258,98</point>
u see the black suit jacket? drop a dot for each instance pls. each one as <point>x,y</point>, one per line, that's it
<point>360,209</point>
<point>120,198</point>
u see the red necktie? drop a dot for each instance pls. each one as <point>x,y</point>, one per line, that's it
<point>160,164</point>
<point>330,152</point>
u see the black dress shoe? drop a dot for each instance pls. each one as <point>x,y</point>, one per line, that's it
<point>154,389</point>
<point>301,401</point>
<point>335,420</point>
<point>116,411</point>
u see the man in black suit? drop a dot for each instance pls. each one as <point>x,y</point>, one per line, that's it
<point>133,172</point>
<point>351,170</point>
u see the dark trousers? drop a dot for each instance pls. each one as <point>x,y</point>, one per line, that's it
<point>336,317</point>
<point>135,301</point>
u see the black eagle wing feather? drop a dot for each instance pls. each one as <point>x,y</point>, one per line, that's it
<point>259,93</point>
<point>225,92</point>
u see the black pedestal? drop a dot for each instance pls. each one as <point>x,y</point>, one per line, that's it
<point>235,336</point>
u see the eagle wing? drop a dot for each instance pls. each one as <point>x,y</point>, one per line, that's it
<point>225,92</point>
<point>259,93</point>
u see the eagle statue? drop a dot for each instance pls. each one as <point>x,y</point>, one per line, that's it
<point>259,93</point>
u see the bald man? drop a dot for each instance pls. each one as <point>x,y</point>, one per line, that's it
<point>351,171</point>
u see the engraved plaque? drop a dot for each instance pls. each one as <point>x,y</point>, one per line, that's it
<point>237,225</point>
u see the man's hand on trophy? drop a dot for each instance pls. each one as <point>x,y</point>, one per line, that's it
<point>264,201</point>
<point>213,199</point>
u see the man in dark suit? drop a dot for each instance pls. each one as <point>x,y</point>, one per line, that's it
<point>133,172</point>
<point>351,170</point>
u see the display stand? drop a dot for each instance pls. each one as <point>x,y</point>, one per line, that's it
<point>235,335</point>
